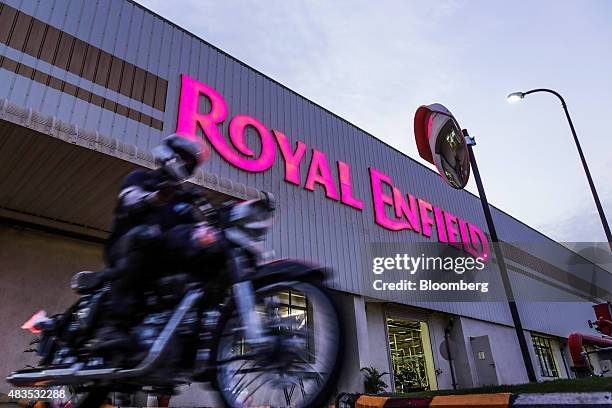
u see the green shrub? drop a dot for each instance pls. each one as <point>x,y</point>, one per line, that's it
<point>372,380</point>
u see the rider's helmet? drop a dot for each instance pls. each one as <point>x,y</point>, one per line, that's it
<point>179,156</point>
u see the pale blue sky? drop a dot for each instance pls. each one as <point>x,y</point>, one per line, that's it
<point>374,63</point>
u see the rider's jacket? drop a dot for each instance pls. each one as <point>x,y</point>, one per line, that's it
<point>141,202</point>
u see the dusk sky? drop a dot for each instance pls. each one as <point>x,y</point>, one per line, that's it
<point>374,63</point>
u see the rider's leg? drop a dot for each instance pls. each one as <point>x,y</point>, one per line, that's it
<point>126,274</point>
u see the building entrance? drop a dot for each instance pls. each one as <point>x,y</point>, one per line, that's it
<point>411,356</point>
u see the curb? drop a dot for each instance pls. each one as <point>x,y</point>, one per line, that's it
<point>498,400</point>
<point>501,400</point>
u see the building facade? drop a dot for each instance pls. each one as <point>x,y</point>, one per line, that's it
<point>87,88</point>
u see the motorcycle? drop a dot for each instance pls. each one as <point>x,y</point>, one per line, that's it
<point>262,333</point>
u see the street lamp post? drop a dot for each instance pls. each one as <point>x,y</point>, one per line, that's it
<point>517,96</point>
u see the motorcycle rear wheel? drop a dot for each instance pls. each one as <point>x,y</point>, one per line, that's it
<point>302,366</point>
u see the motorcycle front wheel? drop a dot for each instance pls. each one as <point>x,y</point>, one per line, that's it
<point>298,362</point>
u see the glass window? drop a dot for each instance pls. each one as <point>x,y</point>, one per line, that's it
<point>293,312</point>
<point>294,306</point>
<point>546,359</point>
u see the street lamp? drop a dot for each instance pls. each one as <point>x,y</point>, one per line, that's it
<point>518,96</point>
<point>515,97</point>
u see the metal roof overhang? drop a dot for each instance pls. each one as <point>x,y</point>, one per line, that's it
<point>56,175</point>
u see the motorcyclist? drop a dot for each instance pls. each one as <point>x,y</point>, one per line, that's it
<point>152,223</point>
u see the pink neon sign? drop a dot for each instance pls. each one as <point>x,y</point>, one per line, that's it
<point>405,210</point>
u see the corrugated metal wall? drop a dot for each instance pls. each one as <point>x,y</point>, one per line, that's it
<point>117,70</point>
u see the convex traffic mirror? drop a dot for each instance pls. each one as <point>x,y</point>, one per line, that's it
<point>440,141</point>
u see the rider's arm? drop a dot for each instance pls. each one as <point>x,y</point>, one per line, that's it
<point>135,195</point>
<point>135,199</point>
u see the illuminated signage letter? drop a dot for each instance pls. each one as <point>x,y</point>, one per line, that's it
<point>346,190</point>
<point>465,238</point>
<point>319,173</point>
<point>237,129</point>
<point>189,117</point>
<point>292,158</point>
<point>381,199</point>
<point>480,245</point>
<point>409,209</point>
<point>451,229</point>
<point>440,225</point>
<point>426,221</point>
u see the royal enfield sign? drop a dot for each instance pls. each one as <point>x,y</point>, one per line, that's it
<point>395,211</point>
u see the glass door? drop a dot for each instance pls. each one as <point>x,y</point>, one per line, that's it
<point>411,356</point>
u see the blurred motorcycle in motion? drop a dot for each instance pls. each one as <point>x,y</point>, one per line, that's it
<point>262,333</point>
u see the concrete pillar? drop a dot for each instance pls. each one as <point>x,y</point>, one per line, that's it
<point>558,346</point>
<point>357,347</point>
<point>379,341</point>
<point>464,372</point>
<point>437,323</point>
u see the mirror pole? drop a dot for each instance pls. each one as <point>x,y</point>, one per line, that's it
<point>516,318</point>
